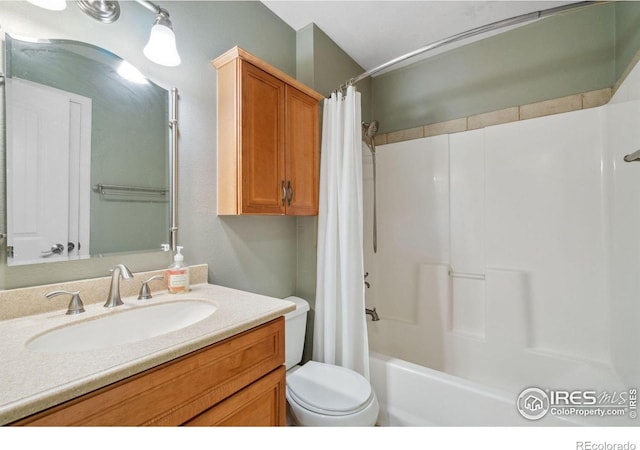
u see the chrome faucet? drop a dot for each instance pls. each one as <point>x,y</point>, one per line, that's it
<point>373,313</point>
<point>145,291</point>
<point>75,305</point>
<point>114,299</point>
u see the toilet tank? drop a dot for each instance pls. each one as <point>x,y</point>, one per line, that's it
<point>295,326</point>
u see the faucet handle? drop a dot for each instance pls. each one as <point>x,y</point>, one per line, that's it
<point>75,305</point>
<point>145,291</point>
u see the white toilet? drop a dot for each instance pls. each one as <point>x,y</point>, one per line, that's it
<point>320,394</point>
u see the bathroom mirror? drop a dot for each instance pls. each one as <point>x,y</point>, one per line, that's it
<point>87,143</point>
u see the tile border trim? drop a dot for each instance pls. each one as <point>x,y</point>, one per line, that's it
<point>585,100</point>
<point>559,105</point>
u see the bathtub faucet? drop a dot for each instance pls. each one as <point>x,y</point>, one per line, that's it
<point>373,313</point>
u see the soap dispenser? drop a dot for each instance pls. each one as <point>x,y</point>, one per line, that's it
<point>178,274</point>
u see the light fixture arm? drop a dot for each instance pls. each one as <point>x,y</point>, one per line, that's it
<point>162,15</point>
<point>153,7</point>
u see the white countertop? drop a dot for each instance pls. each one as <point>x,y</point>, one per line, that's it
<point>32,381</point>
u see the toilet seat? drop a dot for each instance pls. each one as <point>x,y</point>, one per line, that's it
<point>329,390</point>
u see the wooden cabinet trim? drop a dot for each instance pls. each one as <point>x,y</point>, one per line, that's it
<point>229,160</point>
<point>237,52</point>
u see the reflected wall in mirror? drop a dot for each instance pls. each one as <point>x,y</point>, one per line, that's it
<point>87,153</point>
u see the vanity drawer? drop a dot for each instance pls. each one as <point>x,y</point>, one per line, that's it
<point>177,391</point>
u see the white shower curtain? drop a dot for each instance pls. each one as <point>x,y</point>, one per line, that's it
<point>340,332</point>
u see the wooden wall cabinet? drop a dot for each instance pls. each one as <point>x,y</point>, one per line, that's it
<point>238,381</point>
<point>268,139</point>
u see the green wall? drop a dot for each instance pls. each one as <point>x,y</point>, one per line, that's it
<point>256,254</point>
<point>627,20</point>
<point>324,66</point>
<point>558,56</point>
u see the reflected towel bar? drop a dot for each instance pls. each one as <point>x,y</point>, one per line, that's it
<point>635,156</point>
<point>471,276</point>
<point>129,193</point>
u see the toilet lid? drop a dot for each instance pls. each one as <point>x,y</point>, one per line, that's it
<point>328,389</point>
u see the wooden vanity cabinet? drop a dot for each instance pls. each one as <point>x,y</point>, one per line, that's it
<point>268,139</point>
<point>238,381</point>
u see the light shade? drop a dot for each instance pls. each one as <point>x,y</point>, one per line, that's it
<point>53,5</point>
<point>161,48</point>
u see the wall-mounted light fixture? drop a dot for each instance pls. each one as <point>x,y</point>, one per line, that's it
<point>161,47</point>
<point>104,11</point>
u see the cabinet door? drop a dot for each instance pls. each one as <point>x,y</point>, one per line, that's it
<point>262,166</point>
<point>302,153</point>
<point>260,404</point>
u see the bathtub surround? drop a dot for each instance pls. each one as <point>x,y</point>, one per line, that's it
<point>512,259</point>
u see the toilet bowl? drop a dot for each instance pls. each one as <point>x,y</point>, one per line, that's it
<point>320,394</point>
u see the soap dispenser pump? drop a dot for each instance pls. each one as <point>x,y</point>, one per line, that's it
<point>178,274</point>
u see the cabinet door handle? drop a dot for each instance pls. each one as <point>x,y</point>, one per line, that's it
<point>284,193</point>
<point>290,189</point>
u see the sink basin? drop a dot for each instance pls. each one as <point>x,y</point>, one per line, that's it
<point>123,327</point>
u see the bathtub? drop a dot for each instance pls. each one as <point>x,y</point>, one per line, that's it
<point>412,395</point>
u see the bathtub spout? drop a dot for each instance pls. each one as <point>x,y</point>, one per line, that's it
<point>373,313</point>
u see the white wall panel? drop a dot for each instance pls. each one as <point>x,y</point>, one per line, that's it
<point>413,221</point>
<point>544,216</point>
<point>623,137</point>
<point>466,152</point>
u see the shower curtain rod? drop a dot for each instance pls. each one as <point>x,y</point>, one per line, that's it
<point>528,17</point>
